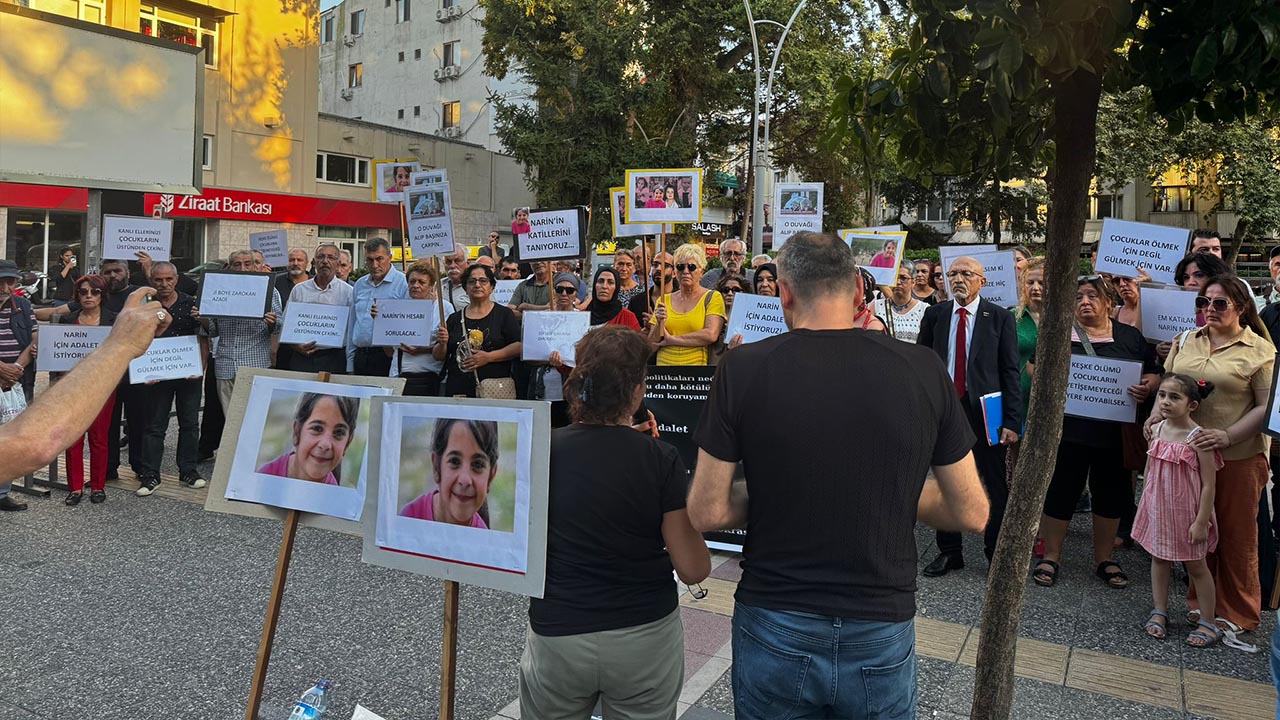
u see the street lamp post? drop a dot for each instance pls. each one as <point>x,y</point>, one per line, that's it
<point>760,135</point>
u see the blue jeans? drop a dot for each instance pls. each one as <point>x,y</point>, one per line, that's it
<point>796,665</point>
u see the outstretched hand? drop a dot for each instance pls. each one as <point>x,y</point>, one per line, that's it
<point>140,322</point>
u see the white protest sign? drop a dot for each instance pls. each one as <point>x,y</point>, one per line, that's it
<point>429,220</point>
<point>62,347</point>
<point>234,294</point>
<point>404,321</point>
<point>503,291</point>
<point>948,253</point>
<point>618,215</point>
<point>274,246</point>
<point>429,177</point>
<point>797,207</point>
<point>548,330</point>
<point>755,317</point>
<point>1272,426</point>
<point>123,237</point>
<point>1097,388</point>
<point>324,325</point>
<point>553,235</point>
<point>1166,311</point>
<point>171,358</point>
<point>879,255</point>
<point>1002,277</point>
<point>1126,246</point>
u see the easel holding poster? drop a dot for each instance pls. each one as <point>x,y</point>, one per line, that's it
<point>222,495</point>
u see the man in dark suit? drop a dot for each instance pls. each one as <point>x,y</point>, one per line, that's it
<point>978,343</point>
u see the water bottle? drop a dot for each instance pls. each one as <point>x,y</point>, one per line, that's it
<point>312,703</point>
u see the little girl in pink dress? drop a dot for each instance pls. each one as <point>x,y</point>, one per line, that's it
<point>1175,520</point>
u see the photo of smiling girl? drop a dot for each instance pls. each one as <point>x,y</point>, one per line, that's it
<point>323,426</point>
<point>464,460</point>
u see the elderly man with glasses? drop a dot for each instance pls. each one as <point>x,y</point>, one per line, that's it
<point>733,257</point>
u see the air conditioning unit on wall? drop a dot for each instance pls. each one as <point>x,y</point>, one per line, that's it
<point>447,14</point>
<point>452,132</point>
<point>451,71</point>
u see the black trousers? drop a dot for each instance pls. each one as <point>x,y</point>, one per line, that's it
<point>372,361</point>
<point>991,468</point>
<point>332,361</point>
<point>425,384</point>
<point>212,419</point>
<point>159,399</point>
<point>129,407</point>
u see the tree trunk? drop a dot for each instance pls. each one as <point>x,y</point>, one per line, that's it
<point>1237,239</point>
<point>1075,122</point>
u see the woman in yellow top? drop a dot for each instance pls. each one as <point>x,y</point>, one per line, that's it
<point>688,321</point>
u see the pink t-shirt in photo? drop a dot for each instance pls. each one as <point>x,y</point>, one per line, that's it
<point>280,468</point>
<point>423,508</point>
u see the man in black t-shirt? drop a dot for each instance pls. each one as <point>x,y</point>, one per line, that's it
<point>835,481</point>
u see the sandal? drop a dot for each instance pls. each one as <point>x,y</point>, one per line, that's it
<point>73,499</point>
<point>1199,638</point>
<point>1115,579</point>
<point>1045,577</point>
<point>1157,628</point>
<point>1193,617</point>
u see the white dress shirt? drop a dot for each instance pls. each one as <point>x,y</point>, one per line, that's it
<point>970,321</point>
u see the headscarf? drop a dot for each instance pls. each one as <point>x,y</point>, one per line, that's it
<point>602,311</point>
<point>755,280</point>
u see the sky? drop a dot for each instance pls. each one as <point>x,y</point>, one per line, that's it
<point>326,4</point>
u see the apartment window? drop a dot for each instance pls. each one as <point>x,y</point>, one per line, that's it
<point>1172,198</point>
<point>161,22</point>
<point>1106,206</point>
<point>343,169</point>
<point>450,115</point>
<point>450,54</point>
<point>327,29</point>
<point>400,113</point>
<point>417,54</point>
<point>417,110</point>
<point>400,57</point>
<point>206,152</point>
<point>94,11</point>
<point>355,75</point>
<point>357,22</point>
<point>402,11</point>
<point>936,210</point>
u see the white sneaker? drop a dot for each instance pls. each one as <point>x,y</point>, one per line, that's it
<point>149,486</point>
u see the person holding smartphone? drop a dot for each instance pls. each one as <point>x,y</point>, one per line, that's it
<point>64,281</point>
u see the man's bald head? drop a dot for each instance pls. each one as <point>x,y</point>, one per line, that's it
<point>966,279</point>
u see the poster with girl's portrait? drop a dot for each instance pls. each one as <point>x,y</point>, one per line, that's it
<point>664,196</point>
<point>879,254</point>
<point>618,213</point>
<point>391,178</point>
<point>301,445</point>
<point>459,490</point>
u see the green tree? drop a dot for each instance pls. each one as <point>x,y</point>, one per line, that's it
<point>992,86</point>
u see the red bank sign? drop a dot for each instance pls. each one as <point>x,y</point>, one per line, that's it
<point>217,203</point>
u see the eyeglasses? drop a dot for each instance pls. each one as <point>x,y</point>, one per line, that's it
<point>86,292</point>
<point>565,290</point>
<point>696,591</point>
<point>478,281</point>
<point>1218,304</point>
<point>966,274</point>
<point>731,290</point>
<point>937,276</point>
<point>734,253</point>
<point>1087,278</point>
<point>683,267</point>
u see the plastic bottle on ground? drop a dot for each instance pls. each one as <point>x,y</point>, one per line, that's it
<point>313,702</point>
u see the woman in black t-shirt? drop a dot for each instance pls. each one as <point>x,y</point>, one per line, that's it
<point>1092,449</point>
<point>608,624</point>
<point>492,331</point>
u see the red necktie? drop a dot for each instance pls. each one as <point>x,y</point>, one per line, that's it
<point>962,332</point>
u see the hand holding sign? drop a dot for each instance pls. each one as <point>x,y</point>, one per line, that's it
<point>754,318</point>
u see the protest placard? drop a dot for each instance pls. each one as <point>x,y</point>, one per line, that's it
<point>234,294</point>
<point>324,325</point>
<point>274,246</point>
<point>618,214</point>
<point>797,208</point>
<point>664,196</point>
<point>391,178</point>
<point>553,235</point>
<point>1167,310</point>
<point>1272,425</point>
<point>755,317</point>
<point>123,237</point>
<point>169,358</point>
<point>404,321</point>
<point>548,330</point>
<point>62,347</point>
<point>879,255</point>
<point>1126,246</point>
<point>429,220</point>
<point>503,291</point>
<point>873,230</point>
<point>1002,277</point>
<point>1097,388</point>
<point>948,253</point>
<point>434,176</point>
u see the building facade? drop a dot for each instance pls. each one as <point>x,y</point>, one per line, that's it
<point>412,64</point>
<point>270,159</point>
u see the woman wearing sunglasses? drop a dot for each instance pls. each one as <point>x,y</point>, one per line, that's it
<point>89,292</point>
<point>492,334</point>
<point>688,321</point>
<point>729,287</point>
<point>1234,352</point>
<point>1092,450</point>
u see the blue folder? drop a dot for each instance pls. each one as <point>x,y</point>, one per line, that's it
<point>992,413</point>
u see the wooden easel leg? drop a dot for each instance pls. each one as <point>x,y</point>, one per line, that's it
<point>449,651</point>
<point>273,615</point>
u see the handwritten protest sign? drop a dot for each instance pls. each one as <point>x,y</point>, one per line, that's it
<point>123,237</point>
<point>324,325</point>
<point>553,235</point>
<point>404,321</point>
<point>235,294</point>
<point>503,291</point>
<point>797,208</point>
<point>1166,311</point>
<point>547,330</point>
<point>171,358</point>
<point>1126,246</point>
<point>1097,388</point>
<point>948,253</point>
<point>62,347</point>
<point>1002,277</point>
<point>429,220</point>
<point>274,246</point>
<point>755,317</point>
